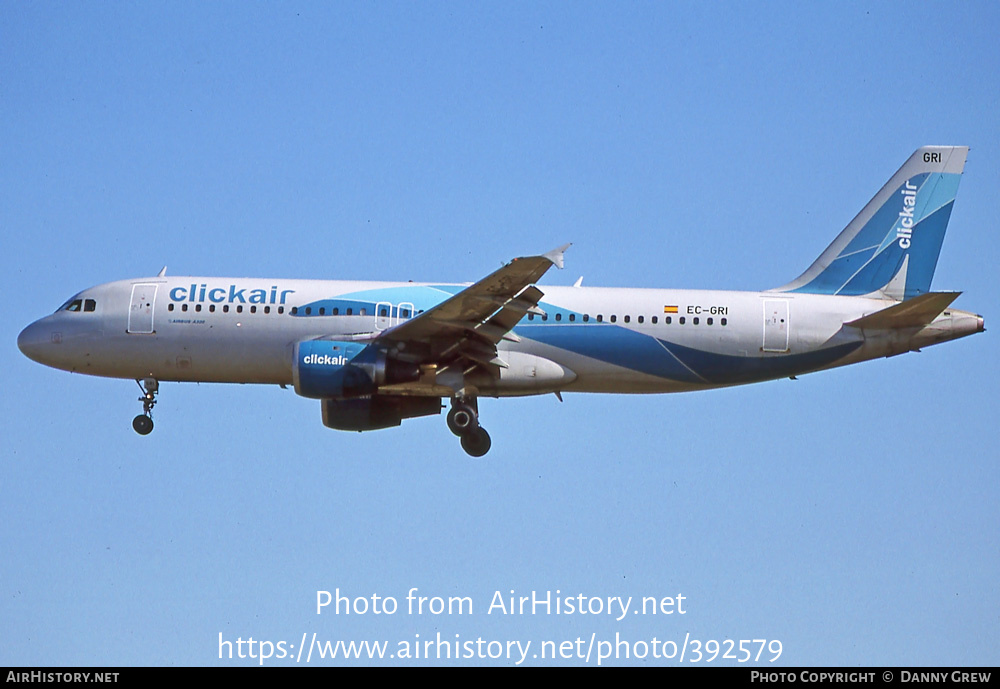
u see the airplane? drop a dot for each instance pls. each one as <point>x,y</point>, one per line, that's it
<point>376,353</point>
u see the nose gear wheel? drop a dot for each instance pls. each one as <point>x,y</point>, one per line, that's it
<point>143,423</point>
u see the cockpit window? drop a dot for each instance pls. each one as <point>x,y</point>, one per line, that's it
<point>78,305</point>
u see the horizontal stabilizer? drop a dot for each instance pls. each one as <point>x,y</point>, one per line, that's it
<point>912,313</point>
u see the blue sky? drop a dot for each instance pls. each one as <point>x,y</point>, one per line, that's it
<point>851,515</point>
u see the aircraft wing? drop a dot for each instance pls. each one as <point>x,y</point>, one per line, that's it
<point>469,325</point>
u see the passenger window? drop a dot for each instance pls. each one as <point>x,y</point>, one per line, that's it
<point>723,321</point>
<point>681,320</point>
<point>614,319</point>
<point>640,319</point>
<point>253,309</point>
<point>709,321</point>
<point>225,308</point>
<point>170,307</point>
<point>350,312</point>
<point>586,318</point>
<point>558,316</point>
<point>184,307</point>
<point>336,311</point>
<point>600,318</point>
<point>572,318</point>
<point>654,320</point>
<point>309,310</point>
<point>695,320</point>
<point>628,318</point>
<point>668,320</point>
<point>322,311</point>
<point>239,309</point>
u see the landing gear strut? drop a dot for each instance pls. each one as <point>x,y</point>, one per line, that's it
<point>143,423</point>
<point>463,421</point>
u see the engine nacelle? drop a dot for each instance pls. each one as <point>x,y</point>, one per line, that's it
<point>330,369</point>
<point>378,411</point>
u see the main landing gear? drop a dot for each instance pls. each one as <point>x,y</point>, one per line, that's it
<point>143,423</point>
<point>463,421</point>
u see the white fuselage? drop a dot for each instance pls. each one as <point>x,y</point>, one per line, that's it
<point>240,330</point>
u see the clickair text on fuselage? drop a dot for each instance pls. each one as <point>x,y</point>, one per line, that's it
<point>232,294</point>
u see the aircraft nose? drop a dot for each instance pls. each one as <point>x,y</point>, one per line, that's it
<point>33,340</point>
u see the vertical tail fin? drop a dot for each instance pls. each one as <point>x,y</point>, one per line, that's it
<point>891,248</point>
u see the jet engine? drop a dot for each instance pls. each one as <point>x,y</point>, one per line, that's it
<point>330,369</point>
<point>377,411</point>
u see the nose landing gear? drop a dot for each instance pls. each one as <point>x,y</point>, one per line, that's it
<point>463,421</point>
<point>143,423</point>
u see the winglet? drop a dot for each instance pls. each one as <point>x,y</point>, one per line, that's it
<point>556,255</point>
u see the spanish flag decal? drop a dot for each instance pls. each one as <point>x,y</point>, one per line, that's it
<point>669,309</point>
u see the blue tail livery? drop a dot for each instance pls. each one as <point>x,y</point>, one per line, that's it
<point>891,248</point>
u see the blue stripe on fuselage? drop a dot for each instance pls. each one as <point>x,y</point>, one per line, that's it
<point>614,345</point>
<point>724,368</point>
<point>654,356</point>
